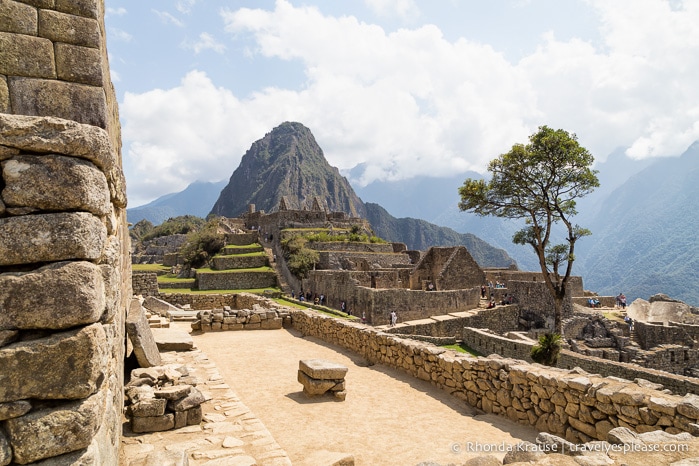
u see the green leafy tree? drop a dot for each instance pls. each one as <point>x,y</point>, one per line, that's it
<point>299,258</point>
<point>202,245</point>
<point>539,182</point>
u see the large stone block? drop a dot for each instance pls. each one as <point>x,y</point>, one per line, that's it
<point>14,409</point>
<point>53,237</point>
<point>55,182</point>
<point>66,365</point>
<point>18,18</point>
<point>79,64</point>
<point>314,386</point>
<point>153,423</point>
<point>69,29</point>
<point>72,101</point>
<point>57,296</point>
<point>46,134</point>
<point>53,431</point>
<point>5,450</point>
<point>29,56</point>
<point>87,8</point>
<point>144,346</point>
<point>323,370</point>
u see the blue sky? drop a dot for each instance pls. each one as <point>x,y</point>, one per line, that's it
<point>402,87</point>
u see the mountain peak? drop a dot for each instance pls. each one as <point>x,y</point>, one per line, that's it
<point>286,163</point>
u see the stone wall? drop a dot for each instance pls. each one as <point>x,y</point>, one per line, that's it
<point>144,283</point>
<point>485,342</point>
<point>215,301</point>
<point>447,268</point>
<point>534,297</point>
<point>235,280</point>
<point>350,260</point>
<point>239,262</point>
<point>64,247</point>
<point>569,403</point>
<point>501,319</point>
<point>352,246</point>
<point>649,335</point>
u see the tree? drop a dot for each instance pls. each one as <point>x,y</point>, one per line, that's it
<point>539,182</point>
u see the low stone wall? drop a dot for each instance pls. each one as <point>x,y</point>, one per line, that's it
<point>675,359</point>
<point>351,246</point>
<point>259,318</point>
<point>239,262</point>
<point>484,342</point>
<point>215,301</point>
<point>144,283</point>
<point>571,404</point>
<point>650,335</point>
<point>502,319</point>
<point>334,260</point>
<point>235,280</point>
<point>242,239</point>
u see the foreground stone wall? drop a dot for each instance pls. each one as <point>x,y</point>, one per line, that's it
<point>235,280</point>
<point>569,403</point>
<point>144,283</point>
<point>64,248</point>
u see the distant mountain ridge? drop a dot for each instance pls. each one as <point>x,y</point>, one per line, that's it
<point>196,199</point>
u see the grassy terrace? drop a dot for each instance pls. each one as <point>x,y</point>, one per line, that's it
<point>245,254</point>
<point>150,268</point>
<point>243,246</point>
<point>190,291</point>
<point>255,269</point>
<point>462,348</point>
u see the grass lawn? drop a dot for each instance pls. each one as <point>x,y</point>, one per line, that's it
<point>245,254</point>
<point>150,268</point>
<point>190,291</point>
<point>256,269</point>
<point>462,348</point>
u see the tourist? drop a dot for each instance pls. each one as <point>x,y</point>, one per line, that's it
<point>394,318</point>
<point>363,317</point>
<point>482,291</point>
<point>491,304</point>
<point>293,294</point>
<point>343,307</point>
<point>622,300</point>
<point>430,287</point>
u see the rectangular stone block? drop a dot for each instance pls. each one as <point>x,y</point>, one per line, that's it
<point>149,407</point>
<point>54,237</point>
<point>180,419</point>
<point>70,29</point>
<point>312,386</point>
<point>153,423</point>
<point>322,370</point>
<point>139,332</point>
<point>58,296</point>
<point>79,64</point>
<point>18,18</point>
<point>194,416</point>
<point>71,101</point>
<point>68,365</point>
<point>56,183</point>
<point>86,8</point>
<point>4,108</point>
<point>48,432</point>
<point>29,56</point>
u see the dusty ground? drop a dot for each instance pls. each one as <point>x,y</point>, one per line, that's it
<point>388,418</point>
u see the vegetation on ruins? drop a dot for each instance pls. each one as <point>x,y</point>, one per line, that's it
<point>354,234</point>
<point>548,349</point>
<point>202,245</point>
<point>300,259</point>
<point>145,230</point>
<point>539,182</point>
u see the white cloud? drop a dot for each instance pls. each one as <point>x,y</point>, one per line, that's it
<point>404,9</point>
<point>412,102</point>
<point>206,42</point>
<point>185,6</point>
<point>119,34</point>
<point>121,11</point>
<point>166,18</point>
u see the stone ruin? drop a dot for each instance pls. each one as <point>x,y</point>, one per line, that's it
<point>257,318</point>
<point>64,267</point>
<point>162,398</point>
<point>319,377</point>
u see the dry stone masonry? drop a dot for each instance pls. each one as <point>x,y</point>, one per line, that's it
<point>319,377</point>
<point>64,286</point>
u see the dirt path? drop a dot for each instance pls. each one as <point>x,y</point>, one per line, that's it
<point>388,418</point>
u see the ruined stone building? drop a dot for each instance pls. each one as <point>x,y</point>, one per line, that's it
<point>64,244</point>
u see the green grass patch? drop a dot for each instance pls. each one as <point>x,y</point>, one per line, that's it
<point>243,246</point>
<point>463,348</point>
<point>150,268</point>
<point>170,278</point>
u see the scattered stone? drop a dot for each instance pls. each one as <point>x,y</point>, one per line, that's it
<point>141,337</point>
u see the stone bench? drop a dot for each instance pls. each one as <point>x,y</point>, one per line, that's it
<point>319,377</point>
